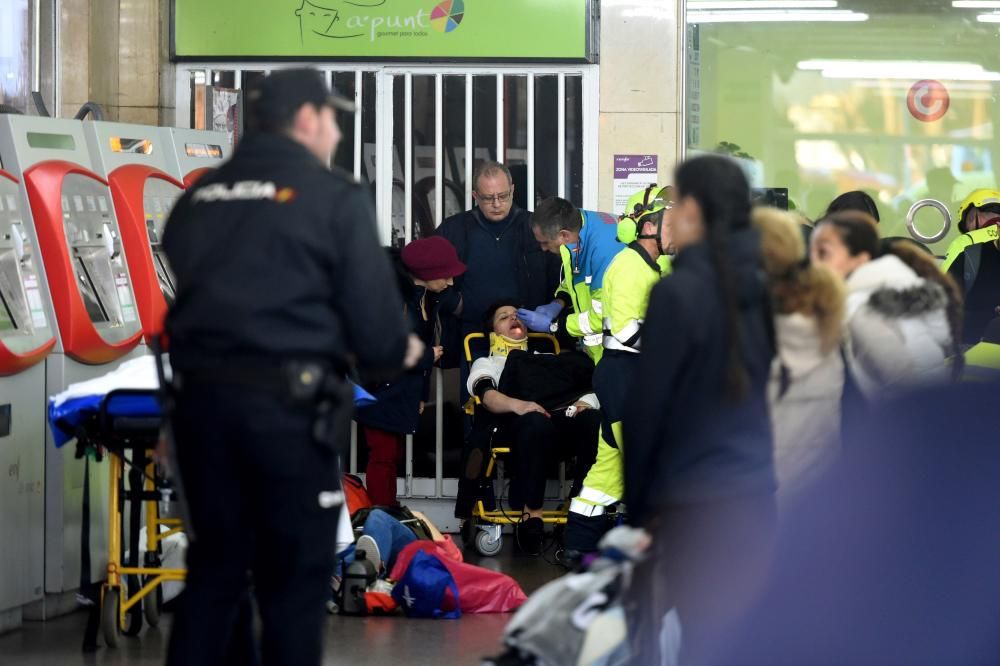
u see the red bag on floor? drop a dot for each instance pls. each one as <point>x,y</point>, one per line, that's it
<point>380,603</point>
<point>355,494</point>
<point>450,550</point>
<point>479,590</point>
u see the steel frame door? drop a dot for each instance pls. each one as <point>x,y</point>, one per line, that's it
<point>394,164</point>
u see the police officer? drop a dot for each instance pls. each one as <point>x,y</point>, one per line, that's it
<point>276,260</point>
<point>586,241</point>
<point>628,282</point>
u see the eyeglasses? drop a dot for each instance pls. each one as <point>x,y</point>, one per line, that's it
<point>502,197</point>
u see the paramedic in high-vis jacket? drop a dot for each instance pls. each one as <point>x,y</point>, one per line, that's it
<point>628,282</point>
<point>973,259</point>
<point>281,283</point>
<point>586,242</point>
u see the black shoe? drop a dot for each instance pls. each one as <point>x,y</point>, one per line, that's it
<point>528,535</point>
<point>570,559</point>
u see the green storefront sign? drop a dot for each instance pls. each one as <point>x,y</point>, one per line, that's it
<point>553,30</point>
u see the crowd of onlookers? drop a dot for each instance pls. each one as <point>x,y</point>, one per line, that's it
<point>765,352</point>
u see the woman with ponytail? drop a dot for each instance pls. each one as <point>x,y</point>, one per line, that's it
<point>699,471</point>
<point>807,377</point>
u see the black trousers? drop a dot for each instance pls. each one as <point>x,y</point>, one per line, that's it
<point>537,442</point>
<point>708,562</point>
<point>263,501</point>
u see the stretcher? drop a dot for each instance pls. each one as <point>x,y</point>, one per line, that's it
<point>119,416</point>
<point>485,526</point>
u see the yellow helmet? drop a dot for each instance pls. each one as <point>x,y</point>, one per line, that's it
<point>640,205</point>
<point>977,199</point>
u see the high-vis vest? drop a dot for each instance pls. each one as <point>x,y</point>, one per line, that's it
<point>583,277</point>
<point>628,283</point>
<point>982,363</point>
<point>970,244</point>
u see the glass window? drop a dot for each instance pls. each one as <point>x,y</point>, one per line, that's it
<point>453,150</point>
<point>894,98</point>
<point>15,54</point>
<point>574,140</point>
<point>546,131</point>
<point>484,119</point>
<point>422,191</point>
<point>345,83</point>
<point>368,116</point>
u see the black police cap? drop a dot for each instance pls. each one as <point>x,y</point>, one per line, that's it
<point>276,99</point>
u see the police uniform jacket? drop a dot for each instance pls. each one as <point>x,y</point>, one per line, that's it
<point>277,257</point>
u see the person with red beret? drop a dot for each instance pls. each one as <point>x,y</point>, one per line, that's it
<point>426,269</point>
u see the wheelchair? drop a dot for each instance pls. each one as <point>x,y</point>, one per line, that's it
<point>484,527</point>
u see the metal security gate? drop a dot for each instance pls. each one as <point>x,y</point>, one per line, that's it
<point>415,139</point>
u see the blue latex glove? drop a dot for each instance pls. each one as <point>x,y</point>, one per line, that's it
<point>540,319</point>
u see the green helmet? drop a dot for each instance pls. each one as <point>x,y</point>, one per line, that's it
<point>641,205</point>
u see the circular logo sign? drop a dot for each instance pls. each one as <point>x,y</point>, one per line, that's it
<point>928,100</point>
<point>447,16</point>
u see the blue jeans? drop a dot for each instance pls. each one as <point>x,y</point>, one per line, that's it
<point>390,535</point>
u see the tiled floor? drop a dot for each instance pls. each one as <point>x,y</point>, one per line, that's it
<point>394,640</point>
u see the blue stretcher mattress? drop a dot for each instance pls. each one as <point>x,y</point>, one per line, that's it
<point>65,418</point>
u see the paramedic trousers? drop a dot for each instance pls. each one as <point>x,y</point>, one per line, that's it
<point>263,501</point>
<point>605,484</point>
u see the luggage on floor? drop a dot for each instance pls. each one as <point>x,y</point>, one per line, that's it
<point>578,619</point>
<point>422,589</point>
<point>481,590</point>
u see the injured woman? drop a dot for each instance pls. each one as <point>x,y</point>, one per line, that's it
<point>540,405</point>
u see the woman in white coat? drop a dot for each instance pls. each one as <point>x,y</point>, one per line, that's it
<point>904,315</point>
<point>807,376</point>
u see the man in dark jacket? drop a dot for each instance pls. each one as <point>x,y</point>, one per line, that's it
<point>277,262</point>
<point>503,258</point>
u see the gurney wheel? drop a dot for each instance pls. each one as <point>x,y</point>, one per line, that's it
<point>151,607</point>
<point>487,545</point>
<point>109,617</point>
<point>133,619</point>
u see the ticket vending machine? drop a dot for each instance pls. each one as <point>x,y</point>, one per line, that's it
<point>26,338</point>
<point>71,220</point>
<point>196,152</point>
<point>134,159</point>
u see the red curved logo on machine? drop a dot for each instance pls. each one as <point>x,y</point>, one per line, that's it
<point>127,186</point>
<point>191,178</point>
<point>81,340</point>
<point>12,362</point>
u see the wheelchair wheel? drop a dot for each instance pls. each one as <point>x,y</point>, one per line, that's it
<point>486,545</point>
<point>133,619</point>
<point>109,617</point>
<point>151,606</point>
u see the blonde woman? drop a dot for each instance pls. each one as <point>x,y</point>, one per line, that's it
<point>807,376</point>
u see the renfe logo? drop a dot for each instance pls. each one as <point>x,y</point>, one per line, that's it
<point>346,19</point>
<point>928,100</point>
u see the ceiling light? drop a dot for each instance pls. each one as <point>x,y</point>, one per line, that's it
<point>912,70</point>
<point>989,18</point>
<point>696,5</point>
<point>975,4</point>
<point>774,16</point>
